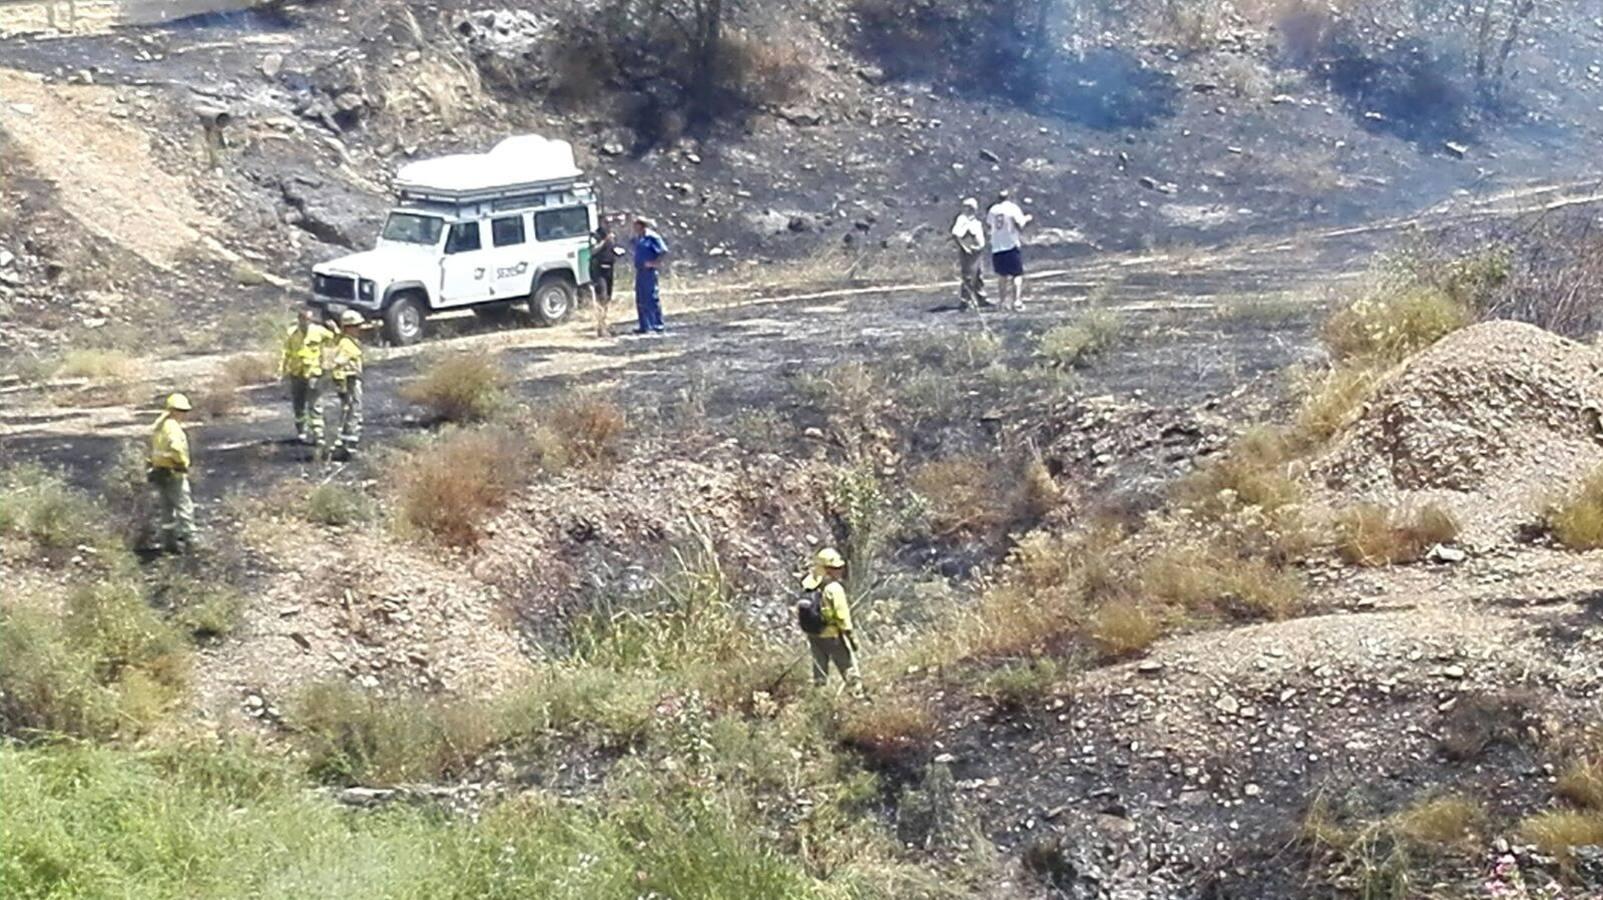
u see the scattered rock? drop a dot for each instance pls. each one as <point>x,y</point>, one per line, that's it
<point>802,116</point>
<point>988,156</point>
<point>272,64</point>
<point>1456,150</point>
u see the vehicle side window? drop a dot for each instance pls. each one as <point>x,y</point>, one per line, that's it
<point>464,238</point>
<point>506,232</point>
<point>556,224</point>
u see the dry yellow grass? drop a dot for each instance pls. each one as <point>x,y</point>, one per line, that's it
<point>1441,820</point>
<point>1205,580</point>
<point>1123,627</point>
<point>460,388</point>
<point>1253,472</point>
<point>99,364</point>
<point>1370,535</point>
<point>579,431</point>
<point>1557,833</point>
<point>1577,523</point>
<point>1582,783</point>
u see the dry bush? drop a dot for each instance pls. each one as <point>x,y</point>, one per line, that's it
<point>451,486</point>
<point>463,387</point>
<point>1123,627</point>
<point>1371,535</point>
<point>1577,523</point>
<point>1482,721</point>
<point>1079,344</point>
<point>1207,580</point>
<point>1253,472</point>
<point>1441,820</point>
<point>1020,686</point>
<point>219,399</point>
<point>247,369</point>
<point>890,731</point>
<point>579,431</point>
<point>1332,402</point>
<point>100,364</point>
<point>351,736</point>
<point>1391,325</point>
<point>977,495</point>
<point>337,505</point>
<point>1559,832</point>
<point>1582,783</point>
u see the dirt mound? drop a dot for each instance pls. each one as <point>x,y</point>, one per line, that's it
<point>1491,422</point>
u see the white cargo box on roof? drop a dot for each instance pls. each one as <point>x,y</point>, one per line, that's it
<point>525,164</point>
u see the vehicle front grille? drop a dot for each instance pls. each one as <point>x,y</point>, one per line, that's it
<point>337,287</point>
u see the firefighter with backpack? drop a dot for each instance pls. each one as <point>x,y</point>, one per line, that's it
<point>826,618</point>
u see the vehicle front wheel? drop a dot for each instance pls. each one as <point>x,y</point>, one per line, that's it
<point>552,300</point>
<point>403,321</point>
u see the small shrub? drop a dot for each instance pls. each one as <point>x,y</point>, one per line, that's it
<point>1123,627</point>
<point>1559,832</point>
<point>450,487</point>
<point>1332,402</point>
<point>1577,523</point>
<point>110,665</point>
<point>38,505</point>
<point>350,736</point>
<point>1253,472</point>
<point>204,608</point>
<point>247,369</point>
<point>460,388</point>
<point>976,495</point>
<point>967,352</point>
<point>100,364</point>
<point>1389,326</point>
<point>1582,783</point>
<point>964,494</point>
<point>1441,820</point>
<point>1020,686</point>
<point>928,816</point>
<point>219,399</point>
<point>1081,343</point>
<point>337,505</point>
<point>1207,580</point>
<point>581,430</point>
<point>1371,535</point>
<point>1481,721</point>
<point>890,731</point>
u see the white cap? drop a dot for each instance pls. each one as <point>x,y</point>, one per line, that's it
<point>970,203</point>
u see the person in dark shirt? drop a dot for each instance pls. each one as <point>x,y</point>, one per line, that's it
<point>604,254</point>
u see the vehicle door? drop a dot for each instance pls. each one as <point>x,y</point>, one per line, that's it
<point>509,254</point>
<point>562,233</point>
<point>465,270</point>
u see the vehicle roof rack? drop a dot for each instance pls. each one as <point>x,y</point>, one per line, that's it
<point>525,164</point>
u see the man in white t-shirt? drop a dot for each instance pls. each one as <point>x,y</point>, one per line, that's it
<point>968,233</point>
<point>1007,222</point>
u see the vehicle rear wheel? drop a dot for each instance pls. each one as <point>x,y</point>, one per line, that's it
<point>552,300</point>
<point>403,321</point>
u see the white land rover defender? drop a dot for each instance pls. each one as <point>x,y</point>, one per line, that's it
<point>479,231</point>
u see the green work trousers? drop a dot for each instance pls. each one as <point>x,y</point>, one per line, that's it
<point>176,509</point>
<point>307,396</point>
<point>350,394</point>
<point>827,650</point>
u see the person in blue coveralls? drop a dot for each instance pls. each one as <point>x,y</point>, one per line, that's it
<point>649,253</point>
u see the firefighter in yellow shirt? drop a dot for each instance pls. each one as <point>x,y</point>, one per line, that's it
<point>826,617</point>
<point>346,369</point>
<point>169,474</point>
<point>302,364</point>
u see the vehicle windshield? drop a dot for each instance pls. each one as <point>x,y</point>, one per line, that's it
<point>411,228</point>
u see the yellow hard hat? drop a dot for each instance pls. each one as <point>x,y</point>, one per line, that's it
<point>829,558</point>
<point>350,317</point>
<point>179,402</point>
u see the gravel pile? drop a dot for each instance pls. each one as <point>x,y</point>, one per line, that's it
<point>1491,423</point>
